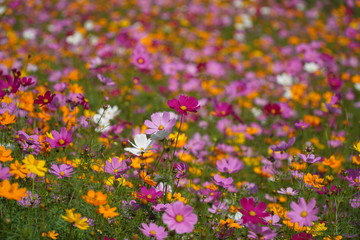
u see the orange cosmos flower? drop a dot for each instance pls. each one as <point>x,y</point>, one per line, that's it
<point>313,180</point>
<point>95,198</point>
<point>12,191</point>
<point>5,154</point>
<point>107,211</point>
<point>18,170</point>
<point>146,178</point>
<point>6,119</point>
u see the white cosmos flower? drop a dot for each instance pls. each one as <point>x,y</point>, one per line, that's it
<point>284,79</point>
<point>141,145</point>
<point>311,67</point>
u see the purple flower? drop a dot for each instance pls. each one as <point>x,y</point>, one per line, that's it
<point>32,200</point>
<point>288,191</point>
<point>153,230</point>
<point>260,232</point>
<point>4,173</point>
<point>218,208</point>
<point>302,125</point>
<point>303,213</point>
<point>282,146</point>
<point>106,81</point>
<point>159,121</point>
<point>180,217</point>
<point>222,181</point>
<point>180,169</point>
<point>62,170</point>
<point>310,158</point>
<point>60,139</point>
<point>355,202</point>
<point>230,165</point>
<point>116,166</point>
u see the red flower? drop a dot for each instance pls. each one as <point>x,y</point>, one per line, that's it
<point>272,108</point>
<point>252,213</point>
<point>44,100</point>
<point>184,104</point>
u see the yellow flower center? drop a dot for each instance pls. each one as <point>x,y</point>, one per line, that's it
<point>46,101</point>
<point>303,214</point>
<point>252,213</point>
<point>149,196</point>
<point>62,173</point>
<point>182,107</point>
<point>223,112</point>
<point>61,141</point>
<point>161,127</point>
<point>142,149</point>
<point>152,232</point>
<point>140,60</point>
<point>179,218</point>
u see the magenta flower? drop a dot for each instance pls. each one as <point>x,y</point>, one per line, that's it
<point>153,230</point>
<point>149,195</point>
<point>302,236</point>
<point>159,121</point>
<point>184,104</point>
<point>230,165</point>
<point>222,110</point>
<point>303,213</point>
<point>180,169</point>
<point>180,217</point>
<point>115,166</point>
<point>60,139</point>
<point>62,170</point>
<point>252,213</point>
<point>44,99</point>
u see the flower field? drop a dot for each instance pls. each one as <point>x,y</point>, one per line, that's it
<point>160,119</point>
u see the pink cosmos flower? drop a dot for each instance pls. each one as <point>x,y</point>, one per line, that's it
<point>115,166</point>
<point>180,217</point>
<point>159,121</point>
<point>303,213</point>
<point>60,139</point>
<point>288,191</point>
<point>149,195</point>
<point>252,213</point>
<point>153,230</point>
<point>222,181</point>
<point>62,170</point>
<point>260,232</point>
<point>230,165</point>
<point>141,58</point>
<point>184,104</point>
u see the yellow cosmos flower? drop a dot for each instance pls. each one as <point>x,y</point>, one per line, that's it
<point>76,219</point>
<point>35,166</point>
